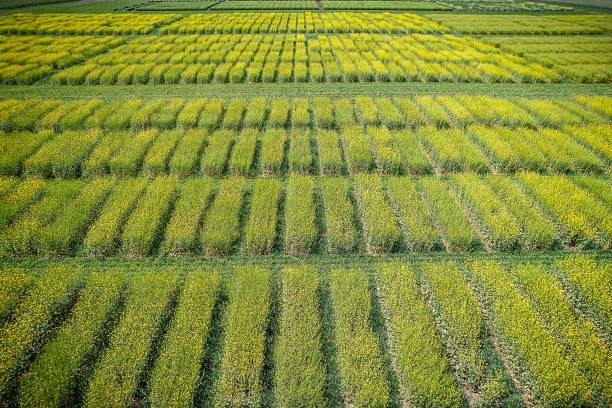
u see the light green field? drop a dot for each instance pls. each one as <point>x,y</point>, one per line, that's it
<point>305,209</point>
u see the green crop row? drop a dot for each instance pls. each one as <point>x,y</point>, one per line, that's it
<point>300,379</point>
<point>294,58</point>
<point>557,136</point>
<point>194,215</point>
<point>363,379</point>
<point>239,383</point>
<point>421,333</point>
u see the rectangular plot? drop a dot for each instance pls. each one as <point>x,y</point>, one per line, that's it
<point>120,368</point>
<point>570,330</point>
<point>17,200</point>
<point>419,232</point>
<point>62,155</point>
<point>300,156</point>
<point>323,112</point>
<point>330,156</point>
<point>211,114</point>
<point>260,229</point>
<point>581,218</point>
<point>243,153</point>
<point>127,160</point>
<point>188,116</point>
<point>221,224</point>
<point>300,113</point>
<point>360,362</point>
<point>255,113</point>
<point>17,147</point>
<point>52,376</point>
<point>598,137</point>
<point>300,229</point>
<point>386,152</point>
<point>18,239</point>
<point>156,160</point>
<point>272,151</point>
<point>184,159</point>
<point>299,366</point>
<point>340,232</point>
<point>58,237</point>
<point>165,116</point>
<point>216,153</point>
<point>50,297</point>
<point>523,338</point>
<point>452,150</point>
<point>345,112</point>
<point>242,361</point>
<point>507,150</point>
<point>120,119</point>
<point>380,229</point>
<point>414,159</point>
<point>279,113</point>
<point>99,116</point>
<point>436,115</point>
<point>143,227</point>
<point>181,235</point>
<point>178,365</point>
<point>98,161</point>
<point>548,113</point>
<point>411,111</point>
<point>418,356</point>
<point>103,236</point>
<point>537,231</point>
<point>233,114</point>
<point>357,149</point>
<point>142,117</point>
<point>389,114</point>
<point>500,229</point>
<point>456,231</point>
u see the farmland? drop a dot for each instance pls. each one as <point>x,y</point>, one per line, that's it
<point>305,204</point>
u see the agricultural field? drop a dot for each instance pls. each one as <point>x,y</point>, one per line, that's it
<point>283,204</point>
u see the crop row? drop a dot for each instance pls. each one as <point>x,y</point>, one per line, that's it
<point>307,22</point>
<point>457,111</point>
<point>99,24</point>
<point>275,151</point>
<point>286,58</point>
<point>513,24</point>
<point>582,58</point>
<point>249,336</point>
<point>300,215</point>
<point>27,59</point>
<point>503,5</point>
<point>239,22</point>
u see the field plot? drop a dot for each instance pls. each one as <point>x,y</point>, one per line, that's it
<point>581,58</point>
<point>290,206</point>
<point>135,217</point>
<point>468,319</point>
<point>514,24</point>
<point>172,5</point>
<point>382,5</point>
<point>345,22</point>
<point>265,5</point>
<point>502,5</point>
<point>100,24</point>
<point>396,136</point>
